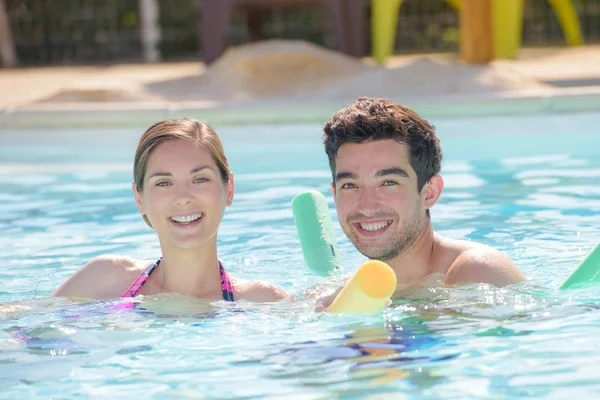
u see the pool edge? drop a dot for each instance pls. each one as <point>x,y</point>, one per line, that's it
<point>586,99</point>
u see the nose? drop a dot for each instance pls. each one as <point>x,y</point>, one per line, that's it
<point>368,202</point>
<point>183,195</point>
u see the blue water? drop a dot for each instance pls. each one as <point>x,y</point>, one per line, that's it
<point>529,186</point>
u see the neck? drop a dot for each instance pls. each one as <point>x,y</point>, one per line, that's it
<point>414,264</point>
<point>193,272</point>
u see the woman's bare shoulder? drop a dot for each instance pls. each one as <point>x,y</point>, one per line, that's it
<point>257,290</point>
<point>102,277</point>
<point>114,265</point>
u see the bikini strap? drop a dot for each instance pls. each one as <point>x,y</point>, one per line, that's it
<point>226,286</point>
<point>136,286</point>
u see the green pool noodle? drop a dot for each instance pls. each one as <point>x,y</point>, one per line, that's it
<point>587,272</point>
<point>315,231</point>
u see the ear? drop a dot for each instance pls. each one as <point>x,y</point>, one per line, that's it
<point>138,199</point>
<point>230,189</point>
<point>432,191</point>
<point>332,184</point>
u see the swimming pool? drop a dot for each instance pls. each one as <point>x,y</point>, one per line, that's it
<point>528,185</point>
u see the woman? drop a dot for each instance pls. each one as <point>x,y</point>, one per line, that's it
<point>182,186</point>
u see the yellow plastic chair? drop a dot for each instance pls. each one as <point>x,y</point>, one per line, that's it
<point>569,22</point>
<point>507,26</point>
<point>384,25</point>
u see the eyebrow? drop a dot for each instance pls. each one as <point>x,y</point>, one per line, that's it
<point>383,172</point>
<point>392,171</point>
<point>345,175</point>
<point>195,170</point>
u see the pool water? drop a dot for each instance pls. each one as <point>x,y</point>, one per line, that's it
<point>528,185</point>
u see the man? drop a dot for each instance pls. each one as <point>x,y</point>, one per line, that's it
<point>385,162</point>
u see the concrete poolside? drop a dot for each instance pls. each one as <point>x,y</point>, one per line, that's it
<point>546,80</point>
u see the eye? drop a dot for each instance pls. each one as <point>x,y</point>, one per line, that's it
<point>200,180</point>
<point>348,185</point>
<point>390,183</point>
<point>162,184</point>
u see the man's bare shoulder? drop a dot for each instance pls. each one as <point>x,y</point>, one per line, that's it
<point>477,263</point>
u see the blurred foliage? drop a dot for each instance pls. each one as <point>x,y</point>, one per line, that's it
<point>107,31</point>
<point>179,29</point>
<point>67,32</point>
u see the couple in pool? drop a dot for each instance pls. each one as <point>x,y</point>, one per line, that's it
<point>385,162</point>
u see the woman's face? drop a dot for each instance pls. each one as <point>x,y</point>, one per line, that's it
<point>183,195</point>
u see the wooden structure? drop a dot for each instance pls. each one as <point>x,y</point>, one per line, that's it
<point>8,55</point>
<point>476,41</point>
<point>348,20</point>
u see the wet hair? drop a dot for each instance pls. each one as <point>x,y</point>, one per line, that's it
<point>195,131</point>
<point>369,119</point>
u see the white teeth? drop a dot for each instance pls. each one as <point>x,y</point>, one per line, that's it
<point>374,226</point>
<point>187,218</point>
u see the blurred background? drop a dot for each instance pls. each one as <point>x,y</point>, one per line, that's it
<point>84,32</point>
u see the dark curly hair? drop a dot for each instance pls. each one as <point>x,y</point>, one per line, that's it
<point>369,119</point>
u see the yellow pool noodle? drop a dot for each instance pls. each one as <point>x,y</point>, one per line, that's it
<point>367,291</point>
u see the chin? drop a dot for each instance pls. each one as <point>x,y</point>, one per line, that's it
<point>377,257</point>
<point>189,243</point>
<point>377,254</point>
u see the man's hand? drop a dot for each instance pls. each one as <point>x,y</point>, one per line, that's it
<point>323,302</point>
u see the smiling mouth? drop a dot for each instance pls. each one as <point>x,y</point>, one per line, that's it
<point>373,227</point>
<point>187,219</point>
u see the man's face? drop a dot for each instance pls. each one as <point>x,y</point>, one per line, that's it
<point>377,199</point>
